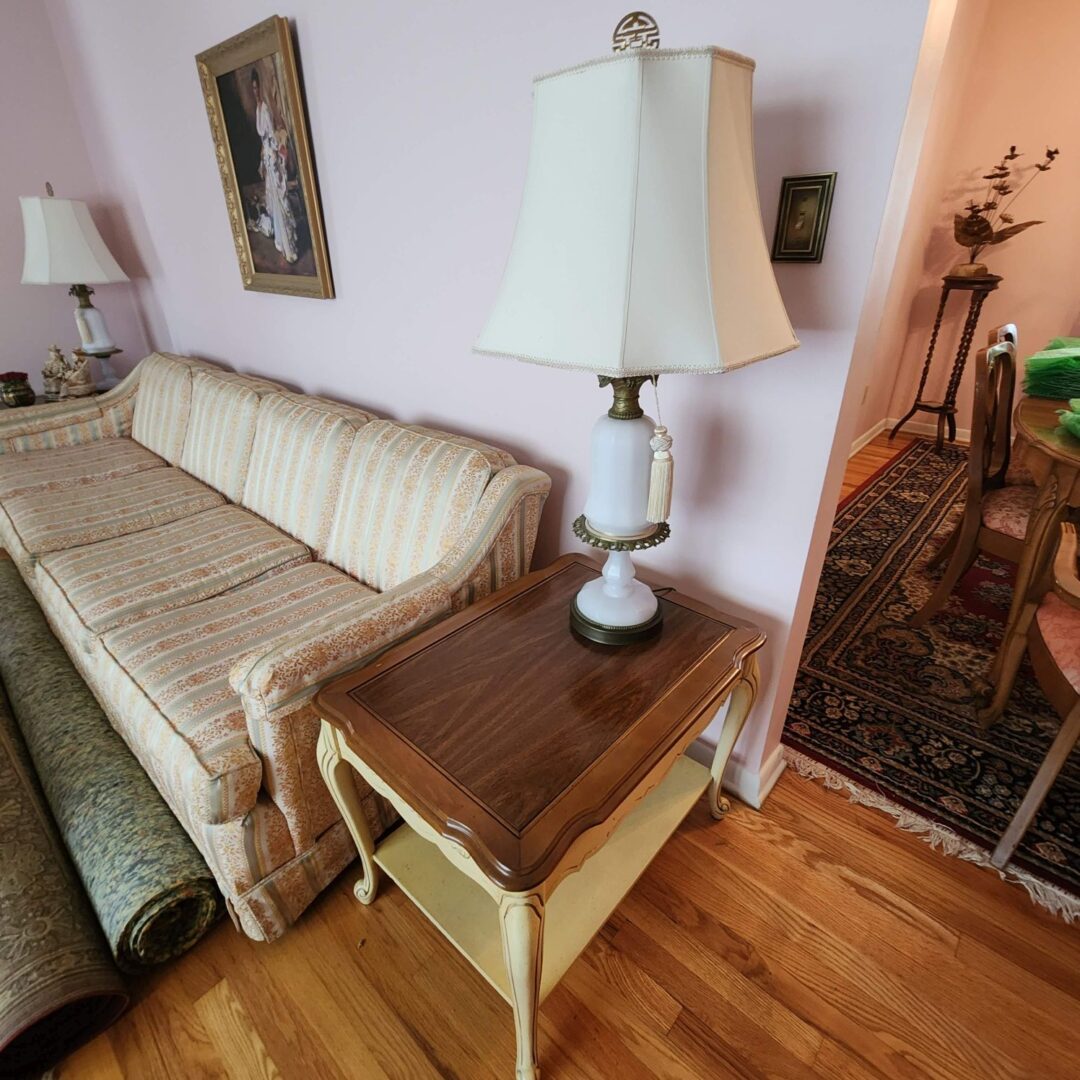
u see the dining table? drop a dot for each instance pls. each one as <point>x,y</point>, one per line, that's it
<point>1052,456</point>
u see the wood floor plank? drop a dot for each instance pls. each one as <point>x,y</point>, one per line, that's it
<point>972,900</point>
<point>233,1034</point>
<point>879,927</point>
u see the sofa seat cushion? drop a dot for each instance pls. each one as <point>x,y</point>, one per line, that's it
<point>120,581</point>
<point>181,661</point>
<point>69,466</point>
<point>44,521</point>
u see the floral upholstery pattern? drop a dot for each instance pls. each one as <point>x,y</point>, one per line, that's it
<point>164,405</point>
<point>1007,510</point>
<point>108,508</point>
<point>205,630</point>
<point>60,469</point>
<point>297,463</point>
<point>221,426</point>
<point>120,581</point>
<point>407,498</point>
<point>181,661</point>
<point>1059,625</point>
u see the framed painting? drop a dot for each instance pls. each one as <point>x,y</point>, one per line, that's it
<point>258,124</point>
<point>803,218</point>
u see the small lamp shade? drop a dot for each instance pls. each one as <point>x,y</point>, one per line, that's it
<point>639,246</point>
<point>63,246</point>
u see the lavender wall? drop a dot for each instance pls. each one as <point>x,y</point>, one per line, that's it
<point>40,132</point>
<point>420,120</point>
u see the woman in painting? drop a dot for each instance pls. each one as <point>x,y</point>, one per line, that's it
<point>272,170</point>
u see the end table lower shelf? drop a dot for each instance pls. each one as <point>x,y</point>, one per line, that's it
<point>576,910</point>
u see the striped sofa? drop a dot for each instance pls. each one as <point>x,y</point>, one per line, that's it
<point>211,549</point>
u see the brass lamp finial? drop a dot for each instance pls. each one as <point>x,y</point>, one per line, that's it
<point>638,30</point>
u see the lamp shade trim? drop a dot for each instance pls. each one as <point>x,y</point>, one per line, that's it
<point>623,372</point>
<point>649,56</point>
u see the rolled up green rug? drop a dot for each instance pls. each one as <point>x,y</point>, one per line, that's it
<point>59,986</point>
<point>151,889</point>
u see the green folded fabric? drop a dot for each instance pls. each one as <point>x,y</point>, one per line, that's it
<point>1054,372</point>
<point>153,893</point>
<point>1070,417</point>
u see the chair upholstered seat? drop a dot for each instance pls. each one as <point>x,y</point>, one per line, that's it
<point>69,466</point>
<point>181,661</point>
<point>87,514</point>
<point>1059,625</point>
<point>1006,510</point>
<point>1019,475</point>
<point>128,578</point>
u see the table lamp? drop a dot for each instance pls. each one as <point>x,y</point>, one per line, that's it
<point>639,251</point>
<point>64,247</point>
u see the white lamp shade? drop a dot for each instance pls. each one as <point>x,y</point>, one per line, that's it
<point>63,246</point>
<point>639,247</point>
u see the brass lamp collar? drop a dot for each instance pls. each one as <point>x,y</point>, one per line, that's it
<point>83,292</point>
<point>626,405</point>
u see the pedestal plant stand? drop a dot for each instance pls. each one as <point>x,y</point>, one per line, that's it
<point>945,410</point>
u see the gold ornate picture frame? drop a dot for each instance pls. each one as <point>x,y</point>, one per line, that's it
<point>258,123</point>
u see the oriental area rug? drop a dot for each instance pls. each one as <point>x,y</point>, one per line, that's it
<point>886,712</point>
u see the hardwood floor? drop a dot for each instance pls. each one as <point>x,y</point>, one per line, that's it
<point>813,938</point>
<point>876,454</point>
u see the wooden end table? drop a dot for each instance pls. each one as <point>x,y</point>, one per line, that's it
<point>537,774</point>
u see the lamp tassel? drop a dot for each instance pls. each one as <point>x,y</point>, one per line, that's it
<point>660,476</point>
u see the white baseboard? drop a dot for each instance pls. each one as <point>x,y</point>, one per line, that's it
<point>751,786</point>
<point>912,427</point>
<point>866,437</point>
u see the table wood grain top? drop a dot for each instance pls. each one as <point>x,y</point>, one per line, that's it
<point>1036,419</point>
<point>512,736</point>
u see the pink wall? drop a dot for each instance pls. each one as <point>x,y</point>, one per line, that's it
<point>420,121</point>
<point>1028,98</point>
<point>43,141</point>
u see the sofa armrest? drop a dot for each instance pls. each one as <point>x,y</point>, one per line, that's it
<point>70,423</point>
<point>286,675</point>
<point>496,547</point>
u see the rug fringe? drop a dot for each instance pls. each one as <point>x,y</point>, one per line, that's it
<point>940,837</point>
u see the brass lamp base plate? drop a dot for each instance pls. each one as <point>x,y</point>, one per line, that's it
<point>614,635</point>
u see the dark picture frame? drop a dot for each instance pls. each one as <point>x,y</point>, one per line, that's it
<point>802,220</point>
<point>258,123</point>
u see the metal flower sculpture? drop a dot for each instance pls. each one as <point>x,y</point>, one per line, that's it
<point>990,222</point>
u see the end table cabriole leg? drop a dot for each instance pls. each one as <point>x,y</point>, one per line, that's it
<point>339,777</point>
<point>521,923</point>
<point>742,700</point>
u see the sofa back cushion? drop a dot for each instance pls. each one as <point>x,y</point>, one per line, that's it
<point>406,497</point>
<point>220,431</point>
<point>163,404</point>
<point>297,459</point>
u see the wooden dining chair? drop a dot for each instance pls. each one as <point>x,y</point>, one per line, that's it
<point>1052,634</point>
<point>996,513</point>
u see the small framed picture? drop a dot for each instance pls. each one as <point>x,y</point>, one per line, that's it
<point>803,218</point>
<point>255,104</point>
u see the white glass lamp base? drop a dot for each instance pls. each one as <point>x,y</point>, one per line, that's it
<point>616,606</point>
